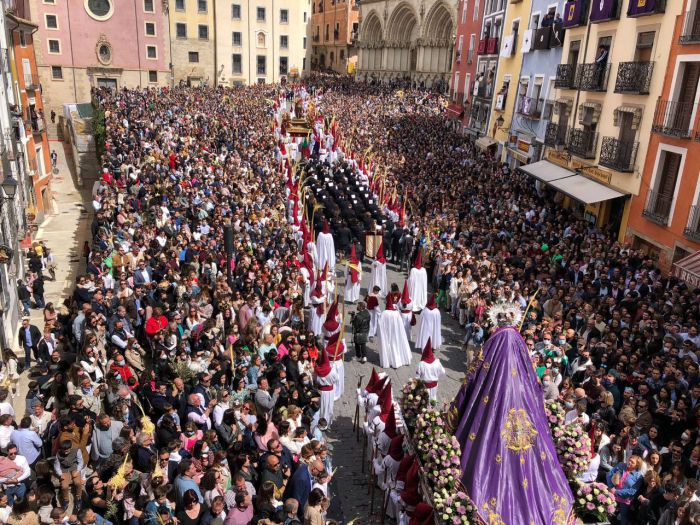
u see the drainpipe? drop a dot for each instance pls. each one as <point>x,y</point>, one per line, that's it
<point>250,47</point>
<point>72,60</point>
<point>578,88</point>
<point>138,42</point>
<point>216,60</point>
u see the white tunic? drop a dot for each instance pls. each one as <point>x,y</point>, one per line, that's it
<point>429,327</point>
<point>316,324</point>
<point>307,285</point>
<point>373,321</point>
<point>352,291</point>
<point>327,397</point>
<point>326,252</point>
<point>378,278</point>
<point>339,385</point>
<point>394,350</point>
<point>430,372</point>
<point>418,288</point>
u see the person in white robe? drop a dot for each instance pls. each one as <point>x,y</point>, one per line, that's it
<point>372,301</point>
<point>326,378</point>
<point>418,283</point>
<point>331,326</point>
<point>378,275</point>
<point>353,278</point>
<point>391,466</point>
<point>318,308</point>
<point>394,350</point>
<point>429,326</point>
<point>407,315</point>
<point>430,370</point>
<point>382,449</point>
<point>306,272</point>
<point>335,349</point>
<point>326,248</point>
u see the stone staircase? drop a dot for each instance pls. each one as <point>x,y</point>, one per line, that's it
<point>54,131</point>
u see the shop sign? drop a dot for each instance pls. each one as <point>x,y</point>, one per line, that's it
<point>558,157</point>
<point>524,146</point>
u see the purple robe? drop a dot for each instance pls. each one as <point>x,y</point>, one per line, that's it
<point>509,464</point>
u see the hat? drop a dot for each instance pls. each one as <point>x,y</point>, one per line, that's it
<point>405,297</point>
<point>380,253</point>
<point>396,447</point>
<point>377,387</point>
<point>427,356</point>
<point>431,305</point>
<point>385,401</point>
<point>418,263</point>
<point>323,365</point>
<point>410,494</point>
<point>390,423</point>
<point>373,378</point>
<point>422,515</point>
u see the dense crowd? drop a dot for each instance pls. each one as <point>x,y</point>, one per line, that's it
<point>178,385</point>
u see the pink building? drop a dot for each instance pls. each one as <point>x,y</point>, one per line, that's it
<point>89,43</point>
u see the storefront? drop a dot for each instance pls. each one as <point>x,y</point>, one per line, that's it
<point>522,149</point>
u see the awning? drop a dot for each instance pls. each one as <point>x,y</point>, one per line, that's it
<point>485,143</point>
<point>585,190</point>
<point>570,183</point>
<point>547,171</point>
<point>688,270</point>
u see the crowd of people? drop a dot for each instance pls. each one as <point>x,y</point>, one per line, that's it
<point>182,383</point>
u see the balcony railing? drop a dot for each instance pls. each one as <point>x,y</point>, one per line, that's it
<point>582,143</point>
<point>31,82</point>
<point>492,46</point>
<point>317,38</point>
<point>617,154</point>
<point>566,76</point>
<point>482,46</point>
<point>658,207</point>
<point>37,125</point>
<point>673,118</point>
<point>691,28</point>
<point>692,229</point>
<point>634,77</point>
<point>555,135</point>
<point>593,77</point>
<point>481,90</point>
<point>530,107</point>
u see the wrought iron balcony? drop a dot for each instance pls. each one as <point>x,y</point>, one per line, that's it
<point>566,76</point>
<point>617,154</point>
<point>658,207</point>
<point>492,46</point>
<point>37,125</point>
<point>692,229</point>
<point>673,118</point>
<point>634,77</point>
<point>482,91</point>
<point>691,28</point>
<point>530,107</point>
<point>593,77</point>
<point>582,143</point>
<point>555,135</point>
<point>31,82</point>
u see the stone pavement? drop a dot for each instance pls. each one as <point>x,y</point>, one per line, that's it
<point>64,230</point>
<point>350,486</point>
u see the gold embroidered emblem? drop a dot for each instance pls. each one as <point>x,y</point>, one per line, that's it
<point>452,419</point>
<point>490,516</point>
<point>514,371</point>
<point>543,456</point>
<point>498,459</point>
<point>522,460</point>
<point>525,483</point>
<point>560,516</point>
<point>642,3</point>
<point>475,362</point>
<point>572,12</point>
<point>486,400</point>
<point>486,365</point>
<point>518,431</point>
<point>472,436</point>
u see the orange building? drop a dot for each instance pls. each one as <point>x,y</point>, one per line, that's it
<point>33,136</point>
<point>334,26</point>
<point>665,217</point>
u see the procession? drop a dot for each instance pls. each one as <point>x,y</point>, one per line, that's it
<point>190,378</point>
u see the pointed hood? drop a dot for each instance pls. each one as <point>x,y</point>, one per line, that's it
<point>373,378</point>
<point>405,297</point>
<point>354,274</point>
<point>324,277</point>
<point>326,227</point>
<point>333,310</point>
<point>396,447</point>
<point>405,465</point>
<point>309,265</point>
<point>423,515</point>
<point>386,402</point>
<point>318,289</point>
<point>418,263</point>
<point>323,365</point>
<point>390,302</point>
<point>335,346</point>
<point>390,424</point>
<point>353,254</point>
<point>431,304</point>
<point>427,356</point>
<point>380,253</point>
<point>377,387</point>
<point>410,494</point>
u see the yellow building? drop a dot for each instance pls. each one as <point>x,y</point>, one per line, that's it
<point>612,72</point>
<point>507,85</point>
<point>192,38</point>
<point>262,41</point>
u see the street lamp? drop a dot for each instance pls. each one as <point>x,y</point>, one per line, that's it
<point>500,121</point>
<point>9,188</point>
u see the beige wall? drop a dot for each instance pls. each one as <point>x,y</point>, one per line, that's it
<point>296,30</point>
<point>183,69</point>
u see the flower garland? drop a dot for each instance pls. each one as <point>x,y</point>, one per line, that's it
<point>443,462</point>
<point>573,449</point>
<point>414,398</point>
<point>593,502</point>
<point>454,508</point>
<point>555,414</point>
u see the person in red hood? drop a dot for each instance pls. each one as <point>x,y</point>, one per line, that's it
<point>156,323</point>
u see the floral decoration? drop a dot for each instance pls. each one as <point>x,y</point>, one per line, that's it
<point>573,449</point>
<point>593,502</point>
<point>453,508</point>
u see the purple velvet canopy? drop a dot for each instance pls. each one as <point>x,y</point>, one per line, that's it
<point>510,468</point>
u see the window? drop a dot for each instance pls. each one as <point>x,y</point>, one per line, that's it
<point>645,44</point>
<point>455,86</point>
<point>342,54</point>
<point>304,16</point>
<point>303,64</point>
<point>262,65</point>
<point>153,76</point>
<point>459,47</point>
<point>54,46</point>
<point>237,64</point>
<point>535,21</point>
<point>193,56</point>
<point>476,10</point>
<point>284,16</point>
<point>467,83</point>
<point>150,29</point>
<point>51,21</point>
<point>283,65</point>
<point>660,200</point>
<point>304,43</point>
<point>261,39</point>
<point>181,30</point>
<point>151,52</point>
<point>179,5</point>
<point>148,6</point>
<point>100,9</point>
<point>236,11</point>
<point>22,39</point>
<point>237,39</point>
<point>261,14</point>
<point>465,7</point>
<point>203,31</point>
<point>202,6</point>
<point>50,2</point>
<point>284,41</point>
<point>472,43</point>
<point>57,72</point>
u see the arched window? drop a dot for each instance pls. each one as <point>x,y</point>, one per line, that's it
<point>261,39</point>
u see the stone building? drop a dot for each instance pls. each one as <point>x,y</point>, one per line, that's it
<point>193,39</point>
<point>335,25</point>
